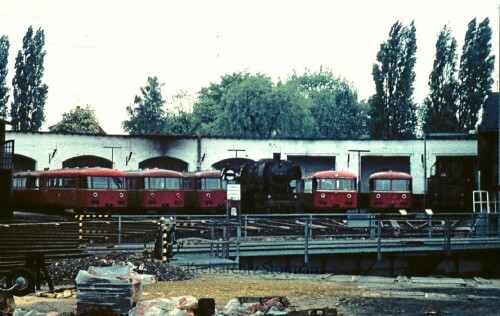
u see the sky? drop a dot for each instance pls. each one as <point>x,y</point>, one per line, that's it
<point>101,52</point>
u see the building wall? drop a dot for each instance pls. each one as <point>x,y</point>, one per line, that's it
<point>51,150</point>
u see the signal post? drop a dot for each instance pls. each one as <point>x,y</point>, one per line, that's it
<point>233,208</point>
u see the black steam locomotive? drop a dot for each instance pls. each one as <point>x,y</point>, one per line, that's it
<point>269,185</point>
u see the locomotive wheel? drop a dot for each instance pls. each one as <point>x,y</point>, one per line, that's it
<point>25,280</point>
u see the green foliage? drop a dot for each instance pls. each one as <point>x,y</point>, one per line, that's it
<point>78,121</point>
<point>475,75</point>
<point>440,105</point>
<point>393,114</point>
<point>30,94</point>
<point>180,121</point>
<point>208,105</point>
<point>333,103</point>
<point>146,115</point>
<point>4,90</point>
<point>246,105</point>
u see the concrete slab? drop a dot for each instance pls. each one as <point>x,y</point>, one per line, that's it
<point>438,281</point>
<point>482,281</point>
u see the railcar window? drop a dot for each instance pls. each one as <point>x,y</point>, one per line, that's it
<point>154,183</point>
<point>326,184</point>
<point>382,185</point>
<point>173,183</point>
<point>116,183</point>
<point>99,182</point>
<point>19,183</point>
<point>68,183</point>
<point>345,184</point>
<point>400,185</point>
<point>209,184</point>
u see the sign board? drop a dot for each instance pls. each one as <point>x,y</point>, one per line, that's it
<point>233,192</point>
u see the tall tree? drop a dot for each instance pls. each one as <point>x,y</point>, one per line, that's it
<point>4,90</point>
<point>146,114</point>
<point>440,105</point>
<point>30,93</point>
<point>475,74</point>
<point>393,114</point>
<point>78,121</point>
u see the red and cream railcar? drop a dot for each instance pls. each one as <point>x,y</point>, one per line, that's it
<point>206,192</point>
<point>390,190</point>
<point>155,190</point>
<point>329,191</point>
<point>84,189</point>
<point>26,190</point>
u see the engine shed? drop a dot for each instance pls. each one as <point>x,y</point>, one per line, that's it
<point>6,166</point>
<point>488,146</point>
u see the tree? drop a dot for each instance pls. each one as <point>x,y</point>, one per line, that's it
<point>181,120</point>
<point>208,104</point>
<point>146,115</point>
<point>78,121</point>
<point>4,90</point>
<point>333,103</point>
<point>393,114</point>
<point>30,94</point>
<point>246,105</point>
<point>475,74</point>
<point>440,105</point>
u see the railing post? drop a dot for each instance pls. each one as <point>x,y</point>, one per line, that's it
<point>212,237</point>
<point>119,229</point>
<point>246,226</point>
<point>447,238</point>
<point>306,241</point>
<point>379,237</point>
<point>430,226</point>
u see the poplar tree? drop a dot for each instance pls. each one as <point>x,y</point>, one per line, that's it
<point>440,105</point>
<point>475,74</point>
<point>146,114</point>
<point>4,90</point>
<point>393,113</point>
<point>30,93</point>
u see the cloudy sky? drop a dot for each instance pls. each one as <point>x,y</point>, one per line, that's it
<point>100,53</point>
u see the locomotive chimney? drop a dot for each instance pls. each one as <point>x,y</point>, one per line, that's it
<point>276,156</point>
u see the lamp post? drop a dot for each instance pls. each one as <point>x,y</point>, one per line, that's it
<point>358,187</point>
<point>112,154</point>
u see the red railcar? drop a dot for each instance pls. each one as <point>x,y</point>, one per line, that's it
<point>390,190</point>
<point>85,189</point>
<point>205,191</point>
<point>329,191</point>
<point>26,190</point>
<point>155,190</point>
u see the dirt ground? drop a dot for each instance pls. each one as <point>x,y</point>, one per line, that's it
<point>349,295</point>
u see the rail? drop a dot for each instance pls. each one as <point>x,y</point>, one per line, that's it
<point>225,237</point>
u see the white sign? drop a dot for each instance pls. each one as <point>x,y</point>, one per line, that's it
<point>233,192</point>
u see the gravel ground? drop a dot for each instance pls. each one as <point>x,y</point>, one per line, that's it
<point>349,295</point>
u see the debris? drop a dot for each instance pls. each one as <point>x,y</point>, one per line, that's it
<point>64,272</point>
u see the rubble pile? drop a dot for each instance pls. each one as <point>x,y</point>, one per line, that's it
<point>64,272</point>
